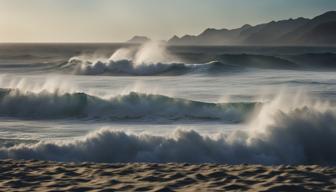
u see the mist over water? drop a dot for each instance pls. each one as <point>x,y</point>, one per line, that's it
<point>153,103</point>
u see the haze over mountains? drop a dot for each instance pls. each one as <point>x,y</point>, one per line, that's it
<point>320,30</point>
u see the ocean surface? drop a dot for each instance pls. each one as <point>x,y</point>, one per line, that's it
<point>116,103</point>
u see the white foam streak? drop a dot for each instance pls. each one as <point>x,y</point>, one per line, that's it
<point>52,84</point>
<point>285,102</point>
<point>123,54</point>
<point>152,53</point>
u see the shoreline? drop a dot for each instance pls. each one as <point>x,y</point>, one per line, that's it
<point>34,175</point>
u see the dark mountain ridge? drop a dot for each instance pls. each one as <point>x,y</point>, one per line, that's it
<point>300,31</point>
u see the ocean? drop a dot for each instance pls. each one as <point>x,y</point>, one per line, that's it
<point>116,103</point>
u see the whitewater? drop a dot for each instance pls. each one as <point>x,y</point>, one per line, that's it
<point>117,103</point>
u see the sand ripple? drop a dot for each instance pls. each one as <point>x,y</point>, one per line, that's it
<point>51,176</point>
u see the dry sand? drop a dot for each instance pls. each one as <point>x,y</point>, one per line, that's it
<point>51,176</point>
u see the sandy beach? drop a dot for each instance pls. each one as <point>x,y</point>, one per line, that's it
<point>19,175</point>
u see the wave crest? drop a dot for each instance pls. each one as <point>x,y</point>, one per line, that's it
<point>46,105</point>
<point>127,67</point>
<point>302,136</point>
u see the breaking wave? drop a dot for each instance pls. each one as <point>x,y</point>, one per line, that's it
<point>301,136</point>
<point>225,63</point>
<point>137,106</point>
<point>150,59</point>
<point>298,133</point>
<point>127,67</point>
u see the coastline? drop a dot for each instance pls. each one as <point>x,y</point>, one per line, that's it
<point>34,175</point>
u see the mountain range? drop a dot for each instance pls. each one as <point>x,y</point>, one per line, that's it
<point>320,30</point>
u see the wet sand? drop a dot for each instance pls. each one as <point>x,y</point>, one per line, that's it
<point>34,175</point>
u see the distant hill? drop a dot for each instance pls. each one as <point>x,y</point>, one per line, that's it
<point>300,31</point>
<point>139,39</point>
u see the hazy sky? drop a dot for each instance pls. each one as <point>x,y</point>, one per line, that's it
<point>118,20</point>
